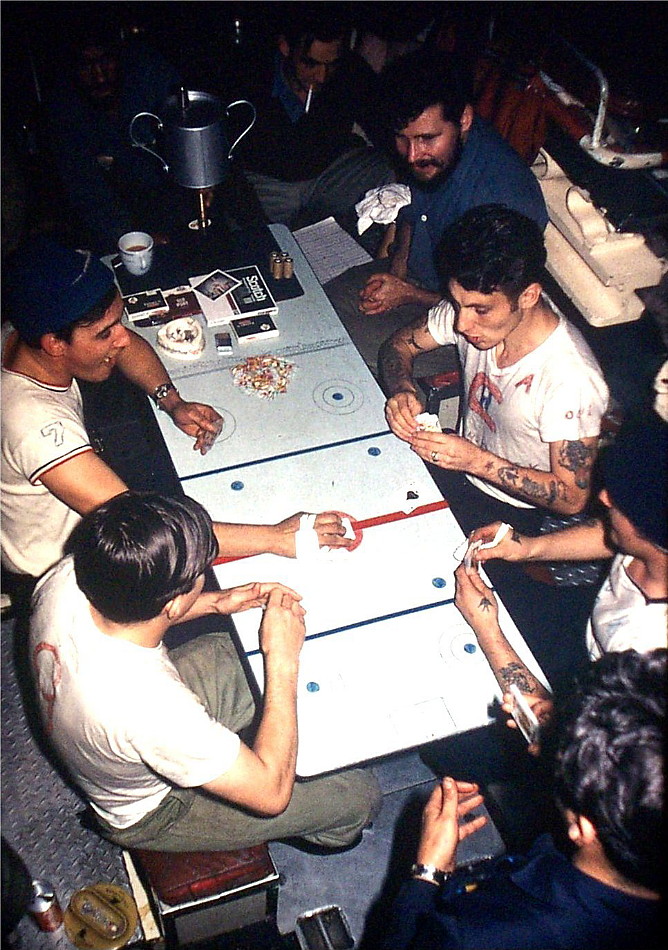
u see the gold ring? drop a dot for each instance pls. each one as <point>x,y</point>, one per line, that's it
<point>434,456</point>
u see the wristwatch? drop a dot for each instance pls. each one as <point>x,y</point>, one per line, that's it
<point>161,391</point>
<point>430,873</point>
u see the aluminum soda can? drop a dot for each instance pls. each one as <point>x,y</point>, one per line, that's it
<point>44,906</point>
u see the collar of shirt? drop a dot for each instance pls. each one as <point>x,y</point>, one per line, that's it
<point>292,104</point>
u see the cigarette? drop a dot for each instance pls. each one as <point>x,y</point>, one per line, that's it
<point>308,98</point>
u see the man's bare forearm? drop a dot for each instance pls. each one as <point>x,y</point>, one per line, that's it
<point>544,489</point>
<point>397,356</point>
<point>506,664</point>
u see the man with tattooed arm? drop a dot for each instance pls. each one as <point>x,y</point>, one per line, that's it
<point>531,405</point>
<point>533,393</point>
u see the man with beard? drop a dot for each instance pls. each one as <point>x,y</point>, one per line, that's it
<point>453,161</point>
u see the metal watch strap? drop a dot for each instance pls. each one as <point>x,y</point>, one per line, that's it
<point>429,872</point>
<point>161,391</point>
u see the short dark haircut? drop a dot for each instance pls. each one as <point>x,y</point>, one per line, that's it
<point>137,551</point>
<point>415,81</point>
<point>492,248</point>
<point>609,763</point>
<point>303,23</point>
<point>65,333</point>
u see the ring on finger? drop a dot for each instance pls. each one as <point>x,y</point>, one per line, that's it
<point>435,456</point>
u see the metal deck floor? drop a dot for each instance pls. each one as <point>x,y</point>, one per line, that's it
<point>40,820</point>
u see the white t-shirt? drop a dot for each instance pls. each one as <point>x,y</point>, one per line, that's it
<point>623,618</point>
<point>42,426</point>
<point>556,392</point>
<point>126,725</point>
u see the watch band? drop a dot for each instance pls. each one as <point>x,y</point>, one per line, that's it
<point>161,391</point>
<point>429,872</point>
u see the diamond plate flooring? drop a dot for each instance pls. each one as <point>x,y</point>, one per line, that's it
<point>40,820</point>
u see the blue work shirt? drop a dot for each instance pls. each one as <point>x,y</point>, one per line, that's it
<point>489,172</point>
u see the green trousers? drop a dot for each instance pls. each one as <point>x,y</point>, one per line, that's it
<point>330,811</point>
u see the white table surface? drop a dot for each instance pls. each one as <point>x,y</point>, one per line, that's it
<point>388,663</point>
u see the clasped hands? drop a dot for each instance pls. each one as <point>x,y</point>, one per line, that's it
<point>383,292</point>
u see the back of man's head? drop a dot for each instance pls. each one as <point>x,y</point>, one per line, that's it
<point>635,475</point>
<point>415,81</point>
<point>609,764</point>
<point>138,551</point>
<point>492,248</point>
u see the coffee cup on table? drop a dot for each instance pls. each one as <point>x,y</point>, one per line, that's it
<point>136,250</point>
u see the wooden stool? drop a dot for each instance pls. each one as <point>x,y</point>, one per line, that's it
<point>197,895</point>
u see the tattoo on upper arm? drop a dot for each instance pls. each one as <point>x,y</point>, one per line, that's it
<point>517,673</point>
<point>578,458</point>
<point>414,342</point>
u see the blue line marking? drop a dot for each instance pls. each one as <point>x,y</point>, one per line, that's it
<point>366,623</point>
<point>286,455</point>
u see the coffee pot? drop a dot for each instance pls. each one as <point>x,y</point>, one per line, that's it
<point>195,144</point>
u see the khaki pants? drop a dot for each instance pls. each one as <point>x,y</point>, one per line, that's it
<point>330,811</point>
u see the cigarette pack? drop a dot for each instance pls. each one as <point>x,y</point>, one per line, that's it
<point>250,329</point>
<point>182,302</point>
<point>145,304</point>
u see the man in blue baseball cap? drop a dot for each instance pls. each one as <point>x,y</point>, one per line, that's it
<point>64,324</point>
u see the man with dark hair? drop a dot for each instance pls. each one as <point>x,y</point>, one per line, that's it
<point>304,158</point>
<point>66,326</point>
<point>151,736</point>
<point>631,607</point>
<point>454,161</point>
<point>533,394</point>
<point>110,186</point>
<point>532,400</point>
<point>609,787</point>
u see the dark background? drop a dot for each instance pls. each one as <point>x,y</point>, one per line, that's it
<point>626,40</point>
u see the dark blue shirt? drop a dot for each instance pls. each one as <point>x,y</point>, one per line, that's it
<point>539,902</point>
<point>489,172</point>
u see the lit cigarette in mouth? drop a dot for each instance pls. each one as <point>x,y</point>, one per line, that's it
<point>308,99</point>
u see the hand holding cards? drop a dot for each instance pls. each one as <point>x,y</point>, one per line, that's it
<point>479,545</point>
<point>524,715</point>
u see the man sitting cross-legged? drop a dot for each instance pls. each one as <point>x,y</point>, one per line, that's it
<point>151,736</point>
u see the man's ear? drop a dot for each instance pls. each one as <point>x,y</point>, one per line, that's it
<point>580,829</point>
<point>52,345</point>
<point>529,296</point>
<point>175,608</point>
<point>466,120</point>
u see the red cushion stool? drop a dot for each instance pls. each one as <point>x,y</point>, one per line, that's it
<point>197,895</point>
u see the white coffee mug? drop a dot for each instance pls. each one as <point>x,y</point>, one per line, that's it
<point>136,249</point>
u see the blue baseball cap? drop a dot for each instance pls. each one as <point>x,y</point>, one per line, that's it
<point>47,286</point>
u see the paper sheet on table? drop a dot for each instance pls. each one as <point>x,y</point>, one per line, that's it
<point>329,249</point>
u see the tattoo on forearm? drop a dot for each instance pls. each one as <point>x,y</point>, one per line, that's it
<point>546,494</point>
<point>516,536</point>
<point>393,371</point>
<point>485,604</point>
<point>517,673</point>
